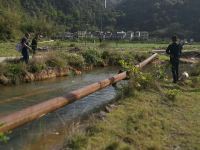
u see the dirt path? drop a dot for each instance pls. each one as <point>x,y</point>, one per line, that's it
<point>47,41</point>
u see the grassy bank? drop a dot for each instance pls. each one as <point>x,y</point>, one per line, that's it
<point>9,49</point>
<point>14,71</point>
<point>155,115</point>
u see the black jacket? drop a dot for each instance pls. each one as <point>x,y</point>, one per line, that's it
<point>34,44</point>
<point>175,49</point>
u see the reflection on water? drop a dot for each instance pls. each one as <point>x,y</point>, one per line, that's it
<point>26,95</point>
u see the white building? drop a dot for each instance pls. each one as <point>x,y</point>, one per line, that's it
<point>144,35</point>
<point>81,34</point>
<point>121,35</point>
<point>129,36</point>
<point>137,34</point>
<point>191,40</point>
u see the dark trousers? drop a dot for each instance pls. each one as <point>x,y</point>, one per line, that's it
<point>34,52</point>
<point>25,54</point>
<point>175,71</point>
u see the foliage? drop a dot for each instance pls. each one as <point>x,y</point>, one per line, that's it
<point>104,44</point>
<point>92,56</point>
<point>4,136</point>
<point>173,93</point>
<point>160,18</point>
<point>72,45</point>
<point>195,71</point>
<point>160,72</point>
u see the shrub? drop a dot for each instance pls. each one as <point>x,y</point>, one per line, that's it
<point>53,59</point>
<point>104,44</point>
<point>92,56</point>
<point>36,64</point>
<point>74,60</point>
<point>173,93</point>
<point>195,71</point>
<point>72,45</point>
<point>112,57</point>
<point>58,43</point>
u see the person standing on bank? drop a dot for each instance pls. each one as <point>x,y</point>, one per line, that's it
<point>34,44</point>
<point>25,49</point>
<point>175,50</point>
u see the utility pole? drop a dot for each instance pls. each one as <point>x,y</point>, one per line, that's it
<point>101,34</point>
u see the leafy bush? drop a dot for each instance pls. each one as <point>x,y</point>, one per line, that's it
<point>36,64</point>
<point>13,71</point>
<point>53,59</point>
<point>104,44</point>
<point>112,57</point>
<point>173,93</point>
<point>92,57</point>
<point>196,70</point>
<point>73,60</point>
<point>72,45</point>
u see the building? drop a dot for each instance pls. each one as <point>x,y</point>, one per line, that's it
<point>89,34</point>
<point>81,34</point>
<point>67,35</point>
<point>191,40</point>
<point>108,35</point>
<point>137,34</point>
<point>144,35</point>
<point>129,36</point>
<point>121,35</point>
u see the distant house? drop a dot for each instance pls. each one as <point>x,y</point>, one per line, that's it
<point>137,34</point>
<point>114,36</point>
<point>67,35</point>
<point>144,35</point>
<point>89,34</point>
<point>129,36</point>
<point>185,40</point>
<point>121,35</point>
<point>98,34</point>
<point>191,40</point>
<point>81,34</point>
<point>108,35</point>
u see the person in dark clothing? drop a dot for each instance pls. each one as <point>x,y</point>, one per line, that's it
<point>175,50</point>
<point>26,48</point>
<point>34,44</point>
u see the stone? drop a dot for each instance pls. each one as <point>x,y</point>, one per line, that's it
<point>103,113</point>
<point>112,106</point>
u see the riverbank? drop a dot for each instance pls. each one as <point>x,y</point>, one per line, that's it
<point>57,63</point>
<point>162,116</point>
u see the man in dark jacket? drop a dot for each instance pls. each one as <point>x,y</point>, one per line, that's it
<point>34,44</point>
<point>175,50</point>
<point>26,48</point>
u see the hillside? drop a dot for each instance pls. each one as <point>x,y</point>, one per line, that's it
<point>161,18</point>
<point>50,17</point>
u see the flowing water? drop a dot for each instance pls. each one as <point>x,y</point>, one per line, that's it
<point>21,96</point>
<point>47,132</point>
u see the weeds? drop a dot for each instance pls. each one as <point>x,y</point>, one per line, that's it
<point>4,136</point>
<point>196,70</point>
<point>173,93</point>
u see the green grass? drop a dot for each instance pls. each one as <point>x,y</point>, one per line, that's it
<point>9,49</point>
<point>163,57</point>
<point>147,120</point>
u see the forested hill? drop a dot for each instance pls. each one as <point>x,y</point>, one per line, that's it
<point>161,18</point>
<point>52,16</point>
